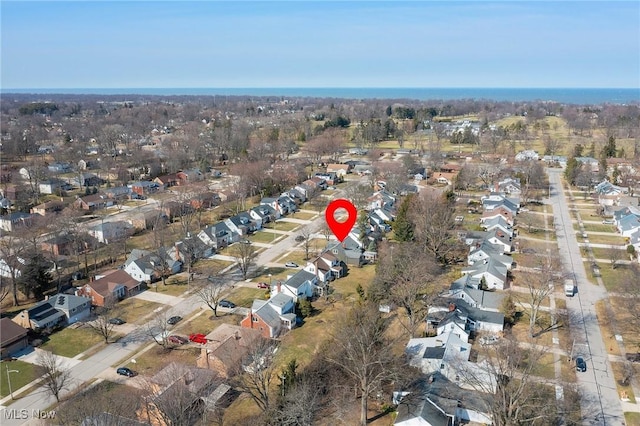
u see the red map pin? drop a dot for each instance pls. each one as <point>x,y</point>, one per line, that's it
<point>341,229</point>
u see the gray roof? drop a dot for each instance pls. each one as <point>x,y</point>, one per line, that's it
<point>486,299</point>
<point>281,300</point>
<point>299,279</point>
<point>268,315</point>
<point>480,315</point>
<point>629,222</point>
<point>490,266</point>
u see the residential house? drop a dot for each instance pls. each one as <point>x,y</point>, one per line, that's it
<point>93,202</point>
<point>495,201</point>
<point>13,337</point>
<point>218,235</point>
<point>15,221</point>
<point>628,225</point>
<point>203,386</point>
<point>53,311</point>
<point>227,345</point>
<point>118,192</point>
<point>108,232</point>
<point>474,297</point>
<point>190,247</point>
<point>444,178</point>
<point>300,285</point>
<point>11,265</point>
<point>380,199</point>
<point>450,168</point>
<point>61,245</point>
<point>110,287</point>
<point>485,250</point>
<point>505,213</point>
<point>591,162</point>
<point>349,252</point>
<point>48,208</point>
<point>493,272</point>
<point>321,183</point>
<point>440,354</point>
<point>441,402</point>
<point>527,155</point>
<point>271,317</point>
<point>59,167</point>
<point>341,170</point>
<point>167,181</point>
<point>88,179</point>
<point>190,176</point>
<point>457,310</point>
<point>326,267</point>
<point>330,177</point>
<point>241,224</point>
<point>263,214</point>
<point>509,186</point>
<point>53,186</point>
<point>149,267</point>
<point>363,169</point>
<point>205,200</point>
<point>497,222</point>
<point>144,188</point>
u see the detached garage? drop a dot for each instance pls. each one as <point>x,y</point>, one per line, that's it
<point>12,337</point>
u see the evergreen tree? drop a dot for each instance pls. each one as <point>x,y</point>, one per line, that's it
<point>572,170</point>
<point>403,228</point>
<point>35,278</point>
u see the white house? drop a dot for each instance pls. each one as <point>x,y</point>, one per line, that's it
<point>300,285</point>
<point>493,272</point>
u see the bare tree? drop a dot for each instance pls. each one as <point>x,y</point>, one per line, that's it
<point>408,281</point>
<point>305,237</point>
<point>211,293</point>
<point>102,404</point>
<point>12,252</point>
<point>158,329</point>
<point>614,254</point>
<point>434,220</point>
<point>245,255</point>
<point>102,324</point>
<point>540,285</point>
<point>362,350</point>
<point>257,372</point>
<point>505,378</point>
<point>56,376</point>
<point>358,193</point>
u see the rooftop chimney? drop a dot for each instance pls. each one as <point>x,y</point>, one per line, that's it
<point>452,307</point>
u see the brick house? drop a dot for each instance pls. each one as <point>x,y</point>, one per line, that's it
<point>13,337</point>
<point>226,346</point>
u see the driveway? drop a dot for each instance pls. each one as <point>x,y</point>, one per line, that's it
<point>599,395</point>
<point>152,296</point>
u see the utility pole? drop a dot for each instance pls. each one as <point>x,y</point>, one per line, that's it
<point>9,378</point>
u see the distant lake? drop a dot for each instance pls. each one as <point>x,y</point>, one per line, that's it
<point>572,95</point>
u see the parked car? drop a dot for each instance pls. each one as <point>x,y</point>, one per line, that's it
<point>116,321</point>
<point>177,340</point>
<point>291,265</point>
<point>263,285</point>
<point>174,320</point>
<point>124,371</point>
<point>633,357</point>
<point>580,364</point>
<point>226,304</point>
<point>198,338</point>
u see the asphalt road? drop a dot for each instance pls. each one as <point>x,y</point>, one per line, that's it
<point>599,398</point>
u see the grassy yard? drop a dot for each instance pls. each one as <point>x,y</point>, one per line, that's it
<point>284,226</point>
<point>616,240</point>
<point>244,296</point>
<point>624,326</point>
<point>175,285</point>
<point>596,227</point>
<point>70,342</point>
<point>205,323</point>
<point>304,215</point>
<point>603,253</point>
<point>26,375</point>
<point>618,374</point>
<point>134,310</point>
<point>156,358</point>
<point>605,328</point>
<point>264,237</point>
<point>632,419</point>
<point>296,256</point>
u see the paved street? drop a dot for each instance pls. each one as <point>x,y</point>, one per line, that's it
<point>600,402</point>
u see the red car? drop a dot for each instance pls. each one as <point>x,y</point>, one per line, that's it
<point>198,338</point>
<point>177,340</point>
<point>263,285</point>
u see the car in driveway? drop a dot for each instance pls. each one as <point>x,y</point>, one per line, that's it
<point>177,340</point>
<point>124,371</point>
<point>291,265</point>
<point>116,321</point>
<point>174,320</point>
<point>226,304</point>
<point>263,285</point>
<point>581,365</point>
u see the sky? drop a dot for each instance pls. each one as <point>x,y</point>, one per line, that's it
<point>237,44</point>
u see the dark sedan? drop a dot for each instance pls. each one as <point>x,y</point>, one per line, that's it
<point>581,365</point>
<point>174,320</point>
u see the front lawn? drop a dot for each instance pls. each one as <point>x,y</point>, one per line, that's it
<point>264,237</point>
<point>156,358</point>
<point>26,373</point>
<point>133,309</point>
<point>244,296</point>
<point>284,226</point>
<point>616,240</point>
<point>70,341</point>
